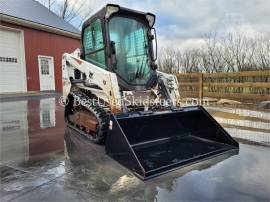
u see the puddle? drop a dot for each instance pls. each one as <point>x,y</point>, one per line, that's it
<point>36,164</point>
<point>30,129</point>
<point>244,175</point>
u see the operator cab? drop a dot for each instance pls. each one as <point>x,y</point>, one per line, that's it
<point>121,40</point>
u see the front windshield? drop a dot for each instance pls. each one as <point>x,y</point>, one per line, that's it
<point>131,47</point>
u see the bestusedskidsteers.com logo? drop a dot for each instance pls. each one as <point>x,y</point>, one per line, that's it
<point>64,101</point>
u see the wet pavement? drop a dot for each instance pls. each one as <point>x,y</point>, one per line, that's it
<point>43,161</point>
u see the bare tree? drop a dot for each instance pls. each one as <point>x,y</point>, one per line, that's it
<point>238,52</point>
<point>212,54</point>
<point>69,10</point>
<point>48,3</point>
<point>191,61</point>
<point>228,53</point>
<point>231,53</point>
<point>169,60</point>
<point>262,53</point>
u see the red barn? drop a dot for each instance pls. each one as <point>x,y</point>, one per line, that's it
<point>32,41</point>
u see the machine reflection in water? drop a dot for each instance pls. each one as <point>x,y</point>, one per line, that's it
<point>29,129</point>
<point>106,178</point>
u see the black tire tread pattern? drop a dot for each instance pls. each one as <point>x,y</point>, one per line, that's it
<point>102,114</point>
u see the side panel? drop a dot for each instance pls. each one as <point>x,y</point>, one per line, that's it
<point>118,147</point>
<point>106,81</point>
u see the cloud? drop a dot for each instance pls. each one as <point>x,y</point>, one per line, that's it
<point>201,17</point>
<point>178,43</point>
<point>184,23</point>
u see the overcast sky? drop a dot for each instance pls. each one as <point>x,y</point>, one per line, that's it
<point>184,23</point>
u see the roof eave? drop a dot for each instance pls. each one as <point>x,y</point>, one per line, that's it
<point>38,26</point>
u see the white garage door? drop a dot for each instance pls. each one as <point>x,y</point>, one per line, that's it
<point>12,72</point>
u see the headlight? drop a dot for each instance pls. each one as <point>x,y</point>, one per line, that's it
<point>151,19</point>
<point>111,9</point>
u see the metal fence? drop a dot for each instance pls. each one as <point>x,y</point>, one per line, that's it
<point>250,85</point>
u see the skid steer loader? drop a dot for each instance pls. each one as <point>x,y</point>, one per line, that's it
<point>115,95</point>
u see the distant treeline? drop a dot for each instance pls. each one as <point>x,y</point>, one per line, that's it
<point>232,53</point>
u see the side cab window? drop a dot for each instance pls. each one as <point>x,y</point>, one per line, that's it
<point>93,44</point>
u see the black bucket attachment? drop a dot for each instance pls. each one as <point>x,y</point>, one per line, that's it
<point>150,144</point>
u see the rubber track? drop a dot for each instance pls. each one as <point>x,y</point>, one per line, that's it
<point>102,114</point>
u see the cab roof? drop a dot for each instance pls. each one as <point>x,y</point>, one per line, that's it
<point>121,12</point>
